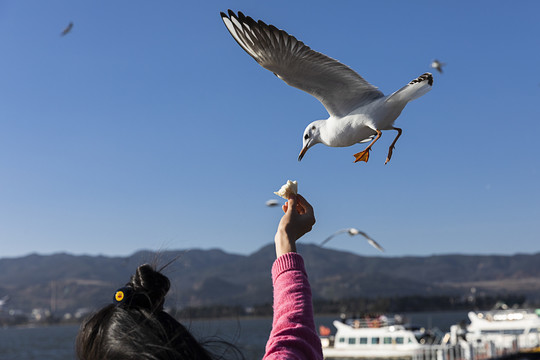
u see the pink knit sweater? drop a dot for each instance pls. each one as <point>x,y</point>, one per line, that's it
<point>293,333</point>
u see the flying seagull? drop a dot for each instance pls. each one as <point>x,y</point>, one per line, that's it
<point>352,232</point>
<point>272,203</point>
<point>358,110</point>
<point>67,29</point>
<point>437,65</point>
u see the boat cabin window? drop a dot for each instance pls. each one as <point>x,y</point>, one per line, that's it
<point>388,340</point>
<point>363,340</point>
<point>352,341</point>
<point>375,340</point>
<point>399,340</point>
<point>341,340</point>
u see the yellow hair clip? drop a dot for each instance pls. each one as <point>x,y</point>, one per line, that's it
<point>119,296</point>
<point>122,294</point>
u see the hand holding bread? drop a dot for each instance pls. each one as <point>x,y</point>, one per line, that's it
<point>298,219</point>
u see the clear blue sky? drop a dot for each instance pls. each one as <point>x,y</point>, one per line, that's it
<point>149,127</point>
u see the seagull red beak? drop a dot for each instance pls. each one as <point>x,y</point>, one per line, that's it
<point>302,153</point>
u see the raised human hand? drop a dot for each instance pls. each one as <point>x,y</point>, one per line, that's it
<point>298,220</point>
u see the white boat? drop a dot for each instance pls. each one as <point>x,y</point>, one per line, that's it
<point>378,338</point>
<point>491,334</point>
<point>508,328</point>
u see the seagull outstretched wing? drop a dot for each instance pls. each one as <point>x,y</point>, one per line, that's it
<point>334,234</point>
<point>352,232</point>
<point>339,88</point>
<point>373,242</point>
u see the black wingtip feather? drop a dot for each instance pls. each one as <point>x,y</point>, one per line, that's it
<point>430,78</point>
<point>424,77</point>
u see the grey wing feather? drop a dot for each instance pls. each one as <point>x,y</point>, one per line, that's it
<point>339,88</point>
<point>371,241</point>
<point>331,236</point>
<point>327,239</point>
<point>375,245</point>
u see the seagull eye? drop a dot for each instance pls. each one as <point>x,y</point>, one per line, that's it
<point>313,127</point>
<point>306,137</point>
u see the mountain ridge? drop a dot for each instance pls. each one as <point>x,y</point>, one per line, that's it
<point>210,277</point>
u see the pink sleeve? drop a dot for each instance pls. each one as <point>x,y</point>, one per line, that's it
<point>293,333</point>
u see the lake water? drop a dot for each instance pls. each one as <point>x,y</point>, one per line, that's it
<point>250,335</point>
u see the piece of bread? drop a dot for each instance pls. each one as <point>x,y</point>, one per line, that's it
<point>287,190</point>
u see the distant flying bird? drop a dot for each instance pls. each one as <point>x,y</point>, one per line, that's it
<point>437,65</point>
<point>352,232</point>
<point>4,300</point>
<point>272,203</point>
<point>67,29</point>
<point>358,110</point>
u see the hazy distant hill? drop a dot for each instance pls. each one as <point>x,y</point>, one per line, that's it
<point>205,277</point>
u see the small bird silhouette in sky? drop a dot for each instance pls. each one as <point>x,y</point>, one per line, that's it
<point>437,65</point>
<point>67,29</point>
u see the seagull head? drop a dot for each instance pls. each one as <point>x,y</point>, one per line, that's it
<point>312,136</point>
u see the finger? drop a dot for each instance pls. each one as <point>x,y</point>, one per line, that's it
<point>292,202</point>
<point>308,213</point>
<point>305,204</point>
<point>285,207</point>
<point>300,208</point>
<point>302,200</point>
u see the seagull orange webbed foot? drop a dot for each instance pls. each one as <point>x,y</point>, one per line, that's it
<point>362,155</point>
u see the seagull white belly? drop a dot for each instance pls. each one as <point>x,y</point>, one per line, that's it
<point>347,131</point>
<point>360,125</point>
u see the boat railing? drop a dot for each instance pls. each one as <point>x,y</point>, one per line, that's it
<point>377,322</point>
<point>441,352</point>
<point>466,351</point>
<point>506,315</point>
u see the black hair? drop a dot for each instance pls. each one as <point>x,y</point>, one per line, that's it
<point>137,327</point>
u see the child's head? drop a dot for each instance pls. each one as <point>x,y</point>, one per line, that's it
<point>135,326</point>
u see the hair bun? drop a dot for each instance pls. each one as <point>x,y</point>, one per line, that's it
<point>150,287</point>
